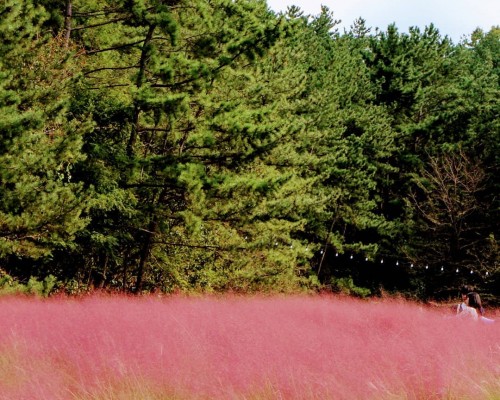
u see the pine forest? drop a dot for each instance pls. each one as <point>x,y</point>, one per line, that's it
<point>210,146</point>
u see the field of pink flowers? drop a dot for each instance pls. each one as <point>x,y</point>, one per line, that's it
<point>248,347</point>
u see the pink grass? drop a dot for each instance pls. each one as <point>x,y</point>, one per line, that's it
<point>242,348</point>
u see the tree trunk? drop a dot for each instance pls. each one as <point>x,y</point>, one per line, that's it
<point>67,22</point>
<point>146,248</point>
<point>139,81</point>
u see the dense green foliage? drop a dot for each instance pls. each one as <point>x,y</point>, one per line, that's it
<point>215,146</point>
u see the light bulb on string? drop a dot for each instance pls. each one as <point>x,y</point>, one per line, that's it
<point>397,263</point>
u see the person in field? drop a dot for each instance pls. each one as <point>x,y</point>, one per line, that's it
<point>464,292</point>
<point>464,310</point>
<point>471,306</point>
<point>474,301</point>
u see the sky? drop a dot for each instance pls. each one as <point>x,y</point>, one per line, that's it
<point>454,18</point>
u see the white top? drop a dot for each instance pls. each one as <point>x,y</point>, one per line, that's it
<point>464,311</point>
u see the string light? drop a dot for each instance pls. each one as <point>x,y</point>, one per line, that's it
<point>397,263</point>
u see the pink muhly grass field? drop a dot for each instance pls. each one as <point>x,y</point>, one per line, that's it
<point>248,347</point>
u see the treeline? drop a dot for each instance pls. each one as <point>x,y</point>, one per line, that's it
<point>217,146</point>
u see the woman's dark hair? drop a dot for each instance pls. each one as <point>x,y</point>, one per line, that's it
<point>475,302</point>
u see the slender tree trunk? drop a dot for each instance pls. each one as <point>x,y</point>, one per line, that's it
<point>125,265</point>
<point>104,273</point>
<point>67,22</point>
<point>148,240</point>
<point>139,82</point>
<point>146,248</point>
<point>326,246</point>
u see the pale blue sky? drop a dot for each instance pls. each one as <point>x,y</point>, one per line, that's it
<point>454,18</point>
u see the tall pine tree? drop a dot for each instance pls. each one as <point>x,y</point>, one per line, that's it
<point>40,203</point>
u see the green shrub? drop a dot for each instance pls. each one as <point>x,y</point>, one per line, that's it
<point>9,285</point>
<point>346,286</point>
